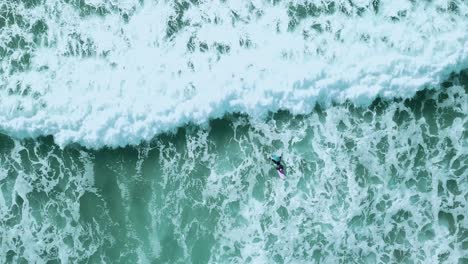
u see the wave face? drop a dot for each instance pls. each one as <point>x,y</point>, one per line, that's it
<point>378,184</point>
<point>112,73</point>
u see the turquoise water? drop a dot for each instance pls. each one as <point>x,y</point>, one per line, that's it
<point>141,131</point>
<point>385,183</point>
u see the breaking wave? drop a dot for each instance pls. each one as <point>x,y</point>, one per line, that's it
<point>100,73</point>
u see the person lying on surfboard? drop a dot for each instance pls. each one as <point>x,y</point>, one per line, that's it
<point>279,167</point>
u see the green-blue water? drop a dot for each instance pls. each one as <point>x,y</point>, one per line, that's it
<point>140,131</point>
<point>383,184</point>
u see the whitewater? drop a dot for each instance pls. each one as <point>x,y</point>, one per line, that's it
<point>139,131</point>
<point>105,74</point>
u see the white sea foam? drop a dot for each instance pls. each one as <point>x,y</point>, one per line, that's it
<point>378,185</point>
<point>102,80</point>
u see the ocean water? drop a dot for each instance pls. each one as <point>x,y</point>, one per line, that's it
<point>140,131</point>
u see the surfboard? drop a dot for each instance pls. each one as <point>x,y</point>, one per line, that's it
<point>281,174</point>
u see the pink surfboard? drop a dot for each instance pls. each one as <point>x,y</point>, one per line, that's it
<point>281,174</point>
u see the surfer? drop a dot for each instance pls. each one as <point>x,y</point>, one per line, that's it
<point>279,167</point>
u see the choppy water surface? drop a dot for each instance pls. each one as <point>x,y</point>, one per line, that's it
<point>386,183</point>
<point>140,131</point>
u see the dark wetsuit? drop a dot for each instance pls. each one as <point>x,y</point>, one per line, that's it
<point>279,166</point>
